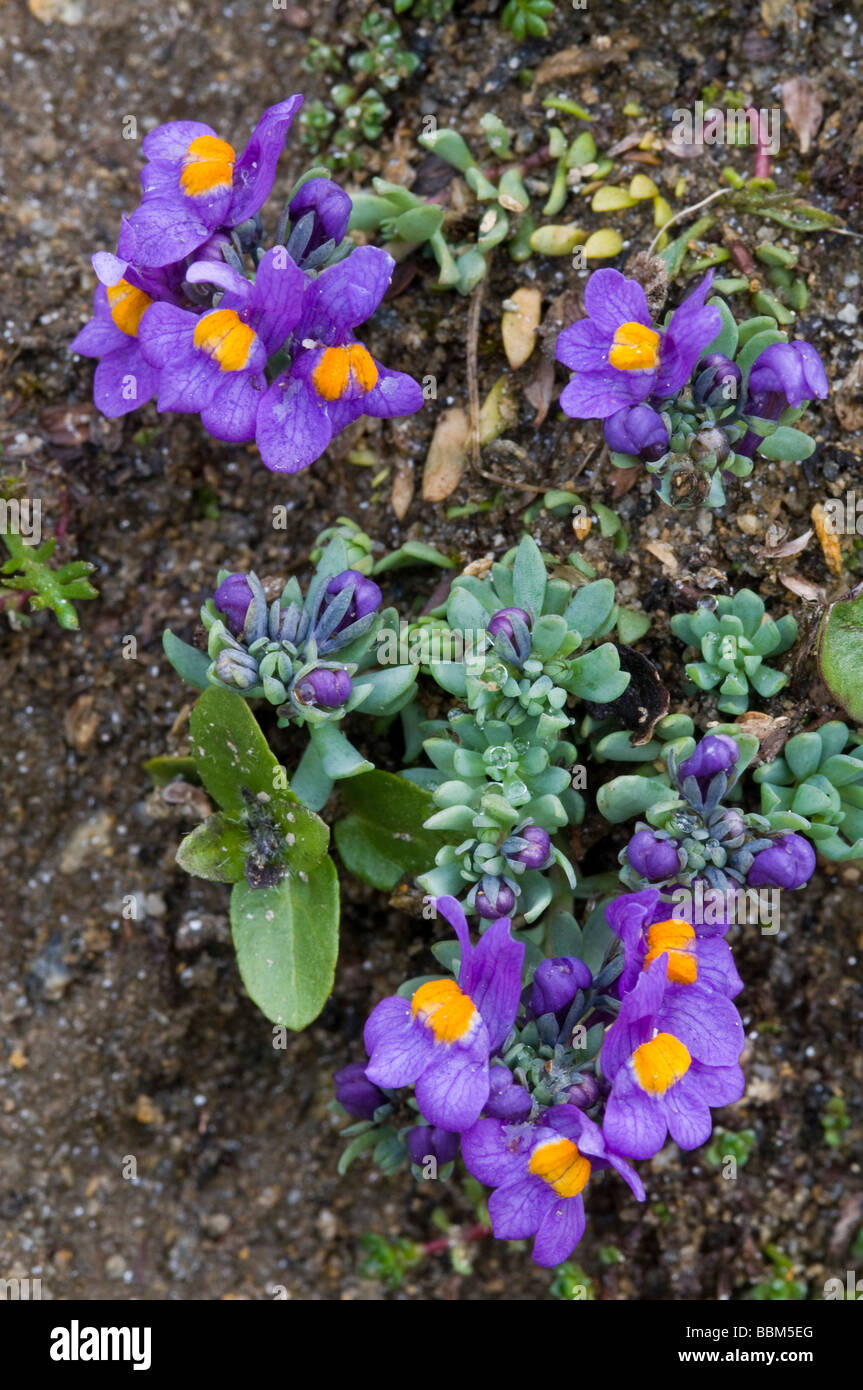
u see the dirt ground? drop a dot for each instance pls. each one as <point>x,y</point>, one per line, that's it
<point>129,1039</point>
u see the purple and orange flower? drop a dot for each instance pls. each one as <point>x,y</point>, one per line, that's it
<point>539,1173</point>
<point>662,1084</point>
<point>333,379</point>
<point>194,183</point>
<point>620,359</point>
<point>214,362</point>
<point>441,1039</point>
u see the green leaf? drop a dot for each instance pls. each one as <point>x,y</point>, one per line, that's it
<point>840,652</point>
<point>630,795</point>
<point>726,339</point>
<point>412,553</point>
<point>187,661</point>
<point>338,756</point>
<point>287,941</point>
<point>232,757</point>
<point>391,687</point>
<point>165,767</point>
<point>215,850</point>
<point>787,444</point>
<point>597,675</point>
<point>529,576</point>
<point>803,755</point>
<point>591,607</point>
<point>384,838</point>
<point>631,625</point>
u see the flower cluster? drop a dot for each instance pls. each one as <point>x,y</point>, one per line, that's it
<point>515,1056</point>
<point>694,399</point>
<point>195,311</point>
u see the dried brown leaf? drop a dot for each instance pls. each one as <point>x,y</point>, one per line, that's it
<point>803,109</point>
<point>447,456</point>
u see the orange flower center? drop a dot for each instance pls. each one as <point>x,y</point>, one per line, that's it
<point>660,1063</point>
<point>441,1006</point>
<point>223,336</point>
<point>560,1164</point>
<point>342,367</point>
<point>677,938</point>
<point>128,306</point>
<point>635,348</point>
<point>208,165</point>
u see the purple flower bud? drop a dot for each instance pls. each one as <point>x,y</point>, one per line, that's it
<point>507,1100</point>
<point>430,1141</point>
<point>536,853</point>
<point>785,373</point>
<point>788,863</point>
<point>715,753</point>
<point>499,902</point>
<point>637,429</point>
<point>232,598</point>
<point>499,624</point>
<point>323,687</point>
<point>586,1091</point>
<point>717,381</point>
<point>651,857</point>
<point>356,1093</point>
<point>331,207</point>
<point>366,599</point>
<point>556,983</point>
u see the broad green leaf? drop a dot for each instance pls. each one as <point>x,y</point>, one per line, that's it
<point>591,607</point>
<point>840,652</point>
<point>215,850</point>
<point>287,943</point>
<point>597,675</point>
<point>187,661</point>
<point>628,796</point>
<point>787,444</point>
<point>383,839</point>
<point>165,767</point>
<point>726,339</point>
<point>236,766</point>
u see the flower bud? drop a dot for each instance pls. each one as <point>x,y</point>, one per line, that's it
<point>556,983</point>
<point>586,1091</point>
<point>323,687</point>
<point>717,381</point>
<point>359,1096</point>
<point>366,596</point>
<point>535,854</point>
<point>639,430</point>
<point>651,857</point>
<point>498,902</point>
<point>499,624</point>
<point>788,863</point>
<point>715,753</point>
<point>430,1141</point>
<point>237,669</point>
<point>330,207</point>
<point>507,1100</point>
<point>232,599</point>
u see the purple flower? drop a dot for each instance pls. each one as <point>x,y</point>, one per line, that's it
<point>556,983</point>
<point>426,1142</point>
<point>442,1038</point>
<point>619,358</point>
<point>663,1082</point>
<point>651,857</point>
<point>718,380</point>
<point>324,210</point>
<point>539,1173</point>
<point>715,755</point>
<point>124,378</point>
<point>494,898</point>
<point>637,429</point>
<point>232,598</point>
<point>194,184</point>
<point>647,930</point>
<point>323,687</point>
<point>214,362</point>
<point>536,849</point>
<point>364,599</point>
<point>356,1093</point>
<point>788,863</point>
<point>333,379</point>
<point>785,374</point>
<point>507,1100</point>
